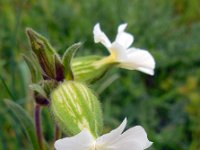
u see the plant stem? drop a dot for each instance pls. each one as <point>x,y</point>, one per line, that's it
<point>57,133</point>
<point>38,127</point>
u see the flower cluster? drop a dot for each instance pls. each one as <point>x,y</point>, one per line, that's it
<point>62,84</point>
<point>124,57</point>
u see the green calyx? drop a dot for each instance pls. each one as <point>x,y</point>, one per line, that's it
<point>86,69</point>
<point>75,107</point>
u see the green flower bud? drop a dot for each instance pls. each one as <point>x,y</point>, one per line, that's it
<point>88,69</point>
<point>75,107</point>
<point>50,63</point>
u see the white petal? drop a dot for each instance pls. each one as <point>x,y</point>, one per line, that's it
<point>123,38</point>
<point>140,60</point>
<point>122,27</point>
<point>125,145</point>
<point>118,51</point>
<point>81,141</point>
<point>100,36</point>
<point>146,70</point>
<point>109,138</point>
<point>136,134</point>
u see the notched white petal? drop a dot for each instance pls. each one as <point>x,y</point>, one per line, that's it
<point>118,51</point>
<point>126,145</point>
<point>122,27</point>
<point>81,141</point>
<point>139,59</point>
<point>123,38</point>
<point>138,135</point>
<point>134,138</point>
<point>109,138</point>
<point>100,36</point>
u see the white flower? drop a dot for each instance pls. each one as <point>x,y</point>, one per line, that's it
<point>134,138</point>
<point>120,51</point>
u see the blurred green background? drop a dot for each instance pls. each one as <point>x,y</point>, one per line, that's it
<point>167,104</point>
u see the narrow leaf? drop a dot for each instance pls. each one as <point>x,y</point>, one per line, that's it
<point>25,121</point>
<point>6,87</point>
<point>67,58</point>
<point>34,72</point>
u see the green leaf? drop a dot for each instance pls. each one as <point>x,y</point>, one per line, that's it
<point>67,58</point>
<point>25,121</point>
<point>33,69</point>
<point>6,87</point>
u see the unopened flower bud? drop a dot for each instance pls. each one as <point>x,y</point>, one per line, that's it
<point>75,107</point>
<point>48,59</point>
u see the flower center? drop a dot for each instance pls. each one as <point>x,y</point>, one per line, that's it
<point>106,60</point>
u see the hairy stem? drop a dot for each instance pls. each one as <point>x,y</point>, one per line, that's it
<point>38,126</point>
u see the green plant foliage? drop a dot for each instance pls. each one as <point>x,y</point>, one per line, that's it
<point>167,104</point>
<point>67,58</point>
<point>25,121</point>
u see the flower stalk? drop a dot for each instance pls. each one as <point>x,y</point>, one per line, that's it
<point>38,126</point>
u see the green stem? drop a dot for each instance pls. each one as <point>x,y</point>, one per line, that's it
<point>38,126</point>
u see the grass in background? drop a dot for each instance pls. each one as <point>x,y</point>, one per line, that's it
<point>167,104</point>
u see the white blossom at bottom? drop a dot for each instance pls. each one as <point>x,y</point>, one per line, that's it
<point>134,138</point>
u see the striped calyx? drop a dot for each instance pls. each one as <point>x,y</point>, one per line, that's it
<point>75,107</point>
<point>87,69</point>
